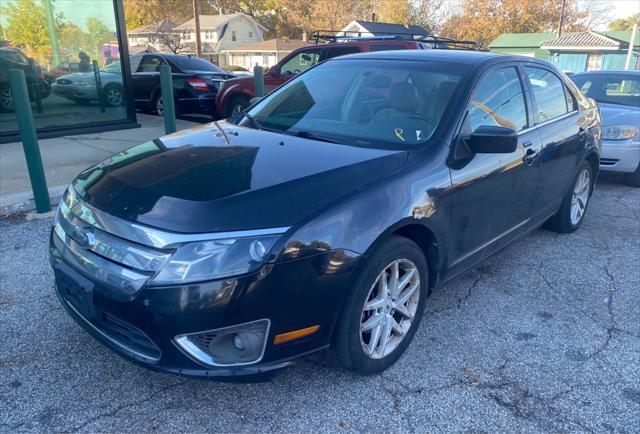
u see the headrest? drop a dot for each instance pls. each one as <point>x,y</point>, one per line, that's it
<point>404,97</point>
<point>378,81</point>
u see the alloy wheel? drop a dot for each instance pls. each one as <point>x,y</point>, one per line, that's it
<point>159,106</point>
<point>390,308</point>
<point>237,109</point>
<point>580,196</point>
<point>6,100</point>
<point>114,97</point>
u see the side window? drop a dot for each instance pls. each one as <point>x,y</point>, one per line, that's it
<point>150,64</point>
<point>388,47</point>
<point>548,91</point>
<point>572,104</point>
<point>498,100</point>
<point>301,62</point>
<point>134,62</point>
<point>341,51</point>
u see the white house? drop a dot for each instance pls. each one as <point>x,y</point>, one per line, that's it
<point>265,53</point>
<point>222,32</point>
<point>363,28</point>
<point>142,38</point>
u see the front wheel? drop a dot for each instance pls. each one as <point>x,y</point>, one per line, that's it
<point>6,99</point>
<point>236,105</point>
<point>384,308</point>
<point>632,179</point>
<point>571,213</point>
<point>114,96</point>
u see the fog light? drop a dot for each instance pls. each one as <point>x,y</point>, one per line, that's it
<point>236,345</point>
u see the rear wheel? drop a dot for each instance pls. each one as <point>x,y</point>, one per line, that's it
<point>6,99</point>
<point>633,178</point>
<point>382,313</point>
<point>236,105</point>
<point>571,213</point>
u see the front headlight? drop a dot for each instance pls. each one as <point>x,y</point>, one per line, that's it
<point>207,260</point>
<point>90,82</point>
<point>620,132</point>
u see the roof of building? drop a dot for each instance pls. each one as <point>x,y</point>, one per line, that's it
<point>214,21</point>
<point>585,39</point>
<point>376,27</point>
<point>534,40</point>
<point>271,45</point>
<point>160,26</point>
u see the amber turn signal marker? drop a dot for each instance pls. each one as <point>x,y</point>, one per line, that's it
<point>296,334</point>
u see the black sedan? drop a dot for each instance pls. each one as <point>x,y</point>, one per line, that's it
<point>195,82</point>
<point>325,215</point>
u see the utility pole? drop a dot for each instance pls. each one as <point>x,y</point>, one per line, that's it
<point>53,34</point>
<point>561,18</point>
<point>196,16</point>
<point>627,62</point>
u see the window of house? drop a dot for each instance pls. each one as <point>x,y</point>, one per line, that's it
<point>251,34</point>
<point>548,92</point>
<point>499,101</point>
<point>233,35</point>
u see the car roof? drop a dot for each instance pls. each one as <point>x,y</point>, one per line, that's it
<point>466,57</point>
<point>609,72</point>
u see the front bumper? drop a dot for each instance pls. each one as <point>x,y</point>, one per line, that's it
<point>293,295</point>
<point>620,156</point>
<point>78,92</point>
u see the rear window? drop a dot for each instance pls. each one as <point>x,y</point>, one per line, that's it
<point>194,64</point>
<point>613,90</point>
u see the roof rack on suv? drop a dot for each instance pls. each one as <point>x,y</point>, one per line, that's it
<point>436,41</point>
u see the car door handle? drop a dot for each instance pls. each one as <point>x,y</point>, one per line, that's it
<point>527,144</point>
<point>530,157</point>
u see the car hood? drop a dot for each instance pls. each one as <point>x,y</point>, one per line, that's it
<point>89,76</point>
<point>617,114</point>
<point>222,177</point>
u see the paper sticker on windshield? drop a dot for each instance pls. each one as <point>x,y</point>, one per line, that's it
<point>418,133</point>
<point>399,133</point>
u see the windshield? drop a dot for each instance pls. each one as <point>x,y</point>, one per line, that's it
<point>617,89</point>
<point>388,103</point>
<point>194,64</point>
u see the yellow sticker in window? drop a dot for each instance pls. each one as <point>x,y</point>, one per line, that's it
<point>399,133</point>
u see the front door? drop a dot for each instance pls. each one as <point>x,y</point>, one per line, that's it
<point>146,78</point>
<point>292,66</point>
<point>492,195</point>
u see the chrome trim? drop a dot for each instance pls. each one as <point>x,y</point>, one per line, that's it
<point>112,340</point>
<point>192,350</point>
<point>548,121</point>
<point>103,270</point>
<point>146,235</point>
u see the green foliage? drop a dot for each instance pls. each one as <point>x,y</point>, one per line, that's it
<point>26,27</point>
<point>622,24</point>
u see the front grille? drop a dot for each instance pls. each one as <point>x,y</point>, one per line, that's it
<point>63,81</point>
<point>608,161</point>
<point>128,336</point>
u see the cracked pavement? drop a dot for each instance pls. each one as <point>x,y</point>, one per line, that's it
<point>543,336</point>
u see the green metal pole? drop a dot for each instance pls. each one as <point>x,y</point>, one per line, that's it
<point>258,80</point>
<point>53,33</point>
<point>29,139</point>
<point>98,80</point>
<point>168,108</point>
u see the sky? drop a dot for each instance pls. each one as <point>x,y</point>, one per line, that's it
<point>617,8</point>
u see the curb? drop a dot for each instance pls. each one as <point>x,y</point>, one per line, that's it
<point>23,203</point>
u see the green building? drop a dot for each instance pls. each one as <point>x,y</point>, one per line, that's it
<point>572,52</point>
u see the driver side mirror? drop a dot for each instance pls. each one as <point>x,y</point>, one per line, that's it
<point>489,139</point>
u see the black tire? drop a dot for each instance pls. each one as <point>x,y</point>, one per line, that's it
<point>347,343</point>
<point>235,104</point>
<point>154,104</point>
<point>113,95</point>
<point>632,179</point>
<point>561,221</point>
<point>6,99</point>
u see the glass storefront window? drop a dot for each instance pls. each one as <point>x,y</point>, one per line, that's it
<point>69,52</point>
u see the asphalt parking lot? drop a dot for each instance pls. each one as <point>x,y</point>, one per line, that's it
<point>544,336</point>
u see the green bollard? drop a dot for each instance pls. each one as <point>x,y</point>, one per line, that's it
<point>168,109</point>
<point>258,80</point>
<point>22,107</point>
<point>98,80</point>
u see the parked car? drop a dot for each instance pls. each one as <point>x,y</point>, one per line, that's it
<point>235,95</point>
<point>195,82</point>
<point>325,214</point>
<point>618,94</point>
<point>81,87</point>
<point>64,68</point>
<point>12,58</point>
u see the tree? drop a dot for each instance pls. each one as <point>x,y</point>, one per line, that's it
<point>26,27</point>
<point>163,35</point>
<point>141,12</point>
<point>624,23</point>
<point>483,20</point>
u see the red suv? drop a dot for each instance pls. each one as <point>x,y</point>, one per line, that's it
<point>234,94</point>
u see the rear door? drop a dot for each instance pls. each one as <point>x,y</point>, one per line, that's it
<point>493,193</point>
<point>332,52</point>
<point>147,77</point>
<point>556,115</point>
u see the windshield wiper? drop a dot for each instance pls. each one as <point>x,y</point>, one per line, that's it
<point>253,120</point>
<point>312,136</point>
